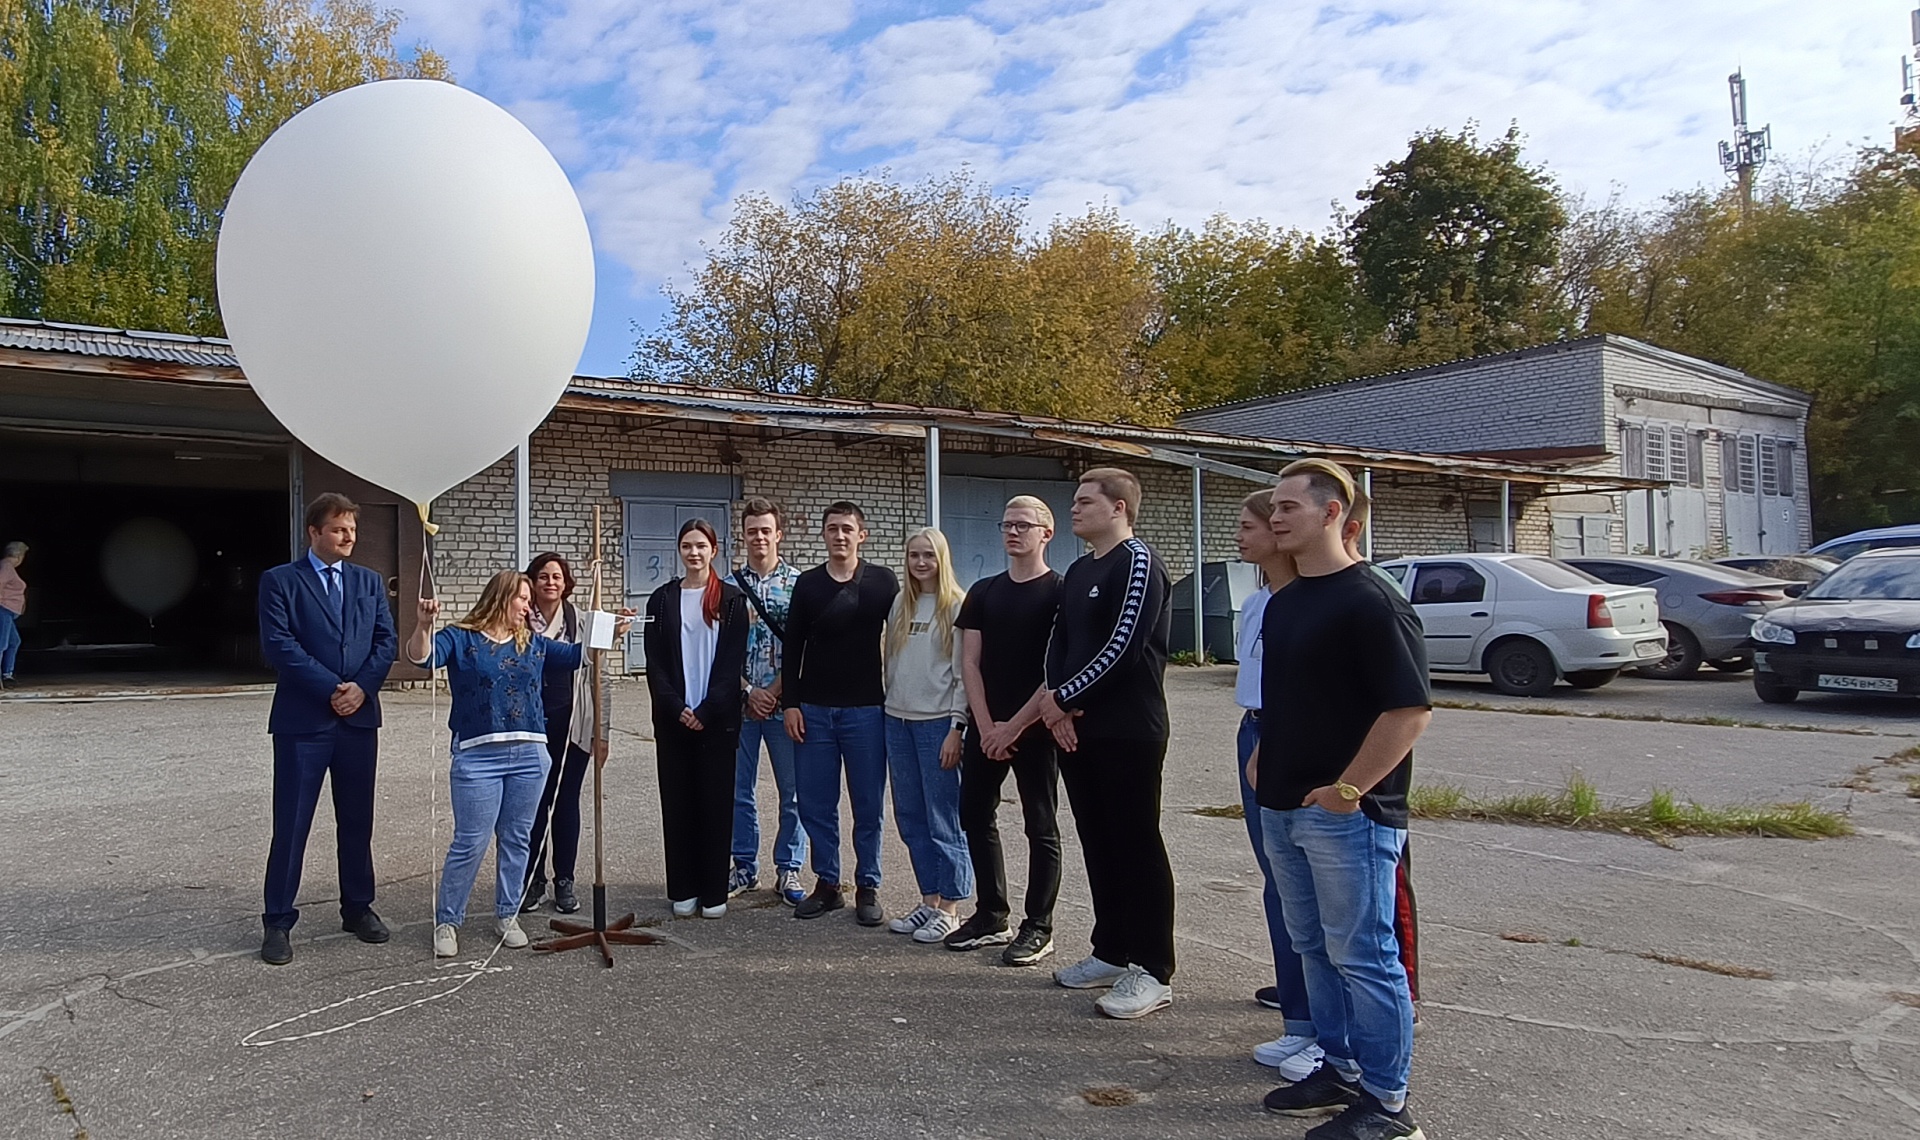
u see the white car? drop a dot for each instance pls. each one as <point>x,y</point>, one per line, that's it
<point>1525,620</point>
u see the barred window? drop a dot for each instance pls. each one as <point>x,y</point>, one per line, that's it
<point>1677,469</point>
<point>1769,468</point>
<point>1656,452</point>
<point>1749,482</point>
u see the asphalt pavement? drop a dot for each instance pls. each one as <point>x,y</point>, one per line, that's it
<point>1576,984</point>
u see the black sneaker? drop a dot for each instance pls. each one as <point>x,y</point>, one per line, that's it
<point>536,891</point>
<point>1268,996</point>
<point>1032,944</point>
<point>866,907</point>
<point>825,897</point>
<point>980,930</point>
<point>1323,1093</point>
<point>1369,1120</point>
<point>564,899</point>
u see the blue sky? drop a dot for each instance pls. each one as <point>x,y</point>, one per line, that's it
<point>662,111</point>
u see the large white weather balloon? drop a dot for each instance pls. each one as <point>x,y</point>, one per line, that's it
<point>407,279</point>
<point>149,564</point>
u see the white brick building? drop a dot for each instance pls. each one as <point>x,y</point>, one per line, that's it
<point>97,426</point>
<point>1729,449</point>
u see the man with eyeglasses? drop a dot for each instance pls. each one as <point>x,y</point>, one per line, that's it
<point>1005,623</point>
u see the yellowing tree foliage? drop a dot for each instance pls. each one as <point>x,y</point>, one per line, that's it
<point>127,124</point>
<point>927,294</point>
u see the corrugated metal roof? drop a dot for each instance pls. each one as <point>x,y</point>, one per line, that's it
<point>126,344</point>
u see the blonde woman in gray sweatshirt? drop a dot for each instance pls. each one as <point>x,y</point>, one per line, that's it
<point>926,713</point>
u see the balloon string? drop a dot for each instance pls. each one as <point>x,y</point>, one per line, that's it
<point>428,582</point>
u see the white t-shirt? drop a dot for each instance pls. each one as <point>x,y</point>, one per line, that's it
<point>1253,612</point>
<point>698,641</point>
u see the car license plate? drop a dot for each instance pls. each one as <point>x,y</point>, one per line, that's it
<point>1649,649</point>
<point>1862,684</point>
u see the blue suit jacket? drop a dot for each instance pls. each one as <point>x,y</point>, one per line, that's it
<point>313,653</point>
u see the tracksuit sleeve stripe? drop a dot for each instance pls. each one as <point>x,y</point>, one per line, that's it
<point>1140,565</point>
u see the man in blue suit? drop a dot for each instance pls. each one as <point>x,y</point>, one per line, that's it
<point>326,630</point>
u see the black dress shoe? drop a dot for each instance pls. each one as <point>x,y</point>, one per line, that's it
<point>866,907</point>
<point>367,928</point>
<point>276,949</point>
<point>825,897</point>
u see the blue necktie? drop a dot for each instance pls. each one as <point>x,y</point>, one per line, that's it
<point>335,597</point>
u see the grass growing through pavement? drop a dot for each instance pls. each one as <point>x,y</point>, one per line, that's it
<point>1580,806</point>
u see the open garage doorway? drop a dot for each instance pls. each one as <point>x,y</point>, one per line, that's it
<point>144,555</point>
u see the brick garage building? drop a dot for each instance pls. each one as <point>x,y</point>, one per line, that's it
<point>78,406</point>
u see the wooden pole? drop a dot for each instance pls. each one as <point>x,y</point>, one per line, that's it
<point>601,934</point>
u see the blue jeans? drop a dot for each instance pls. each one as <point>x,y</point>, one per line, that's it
<point>1287,976</point>
<point>926,807</point>
<point>856,738</point>
<point>1336,876</point>
<point>789,845</point>
<point>9,640</point>
<point>495,788</point>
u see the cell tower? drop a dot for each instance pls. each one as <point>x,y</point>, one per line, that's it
<point>1907,131</point>
<point>1748,150</point>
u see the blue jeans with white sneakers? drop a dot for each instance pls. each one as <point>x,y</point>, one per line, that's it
<point>495,789</point>
<point>1336,875</point>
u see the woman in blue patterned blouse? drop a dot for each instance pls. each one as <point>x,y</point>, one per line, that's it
<point>496,668</point>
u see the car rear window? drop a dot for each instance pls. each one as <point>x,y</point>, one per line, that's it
<point>1878,579</point>
<point>1552,573</point>
<point>1723,572</point>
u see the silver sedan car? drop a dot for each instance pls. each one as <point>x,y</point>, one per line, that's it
<point>1708,609</point>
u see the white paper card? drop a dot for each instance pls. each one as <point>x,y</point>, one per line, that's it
<point>599,631</point>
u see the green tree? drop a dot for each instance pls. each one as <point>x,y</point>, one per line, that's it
<point>128,123</point>
<point>930,293</point>
<point>1455,244</point>
<point>1248,310</point>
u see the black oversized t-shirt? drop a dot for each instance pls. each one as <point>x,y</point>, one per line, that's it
<point>1108,655</point>
<point>831,655</point>
<point>1340,649</point>
<point>1014,620</point>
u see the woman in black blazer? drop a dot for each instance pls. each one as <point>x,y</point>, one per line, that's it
<point>696,645</point>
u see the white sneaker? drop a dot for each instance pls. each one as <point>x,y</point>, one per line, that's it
<point>684,908</point>
<point>714,911</point>
<point>511,936</point>
<point>913,920</point>
<point>446,941</point>
<point>1088,973</point>
<point>938,927</point>
<point>1294,1055</point>
<point>1135,993</point>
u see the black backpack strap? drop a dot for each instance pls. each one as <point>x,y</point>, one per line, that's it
<point>760,607</point>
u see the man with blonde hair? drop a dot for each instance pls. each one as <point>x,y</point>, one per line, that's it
<point>1005,623</point>
<point>1344,696</point>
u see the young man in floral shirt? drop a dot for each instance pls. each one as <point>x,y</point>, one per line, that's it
<point>768,581</point>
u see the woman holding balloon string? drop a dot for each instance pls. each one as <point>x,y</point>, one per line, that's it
<point>497,672</point>
<point>696,644</point>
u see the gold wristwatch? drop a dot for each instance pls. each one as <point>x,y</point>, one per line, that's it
<point>1347,792</point>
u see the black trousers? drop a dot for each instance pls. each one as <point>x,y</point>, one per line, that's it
<point>559,804</point>
<point>696,809</point>
<point>1114,786</point>
<point>1036,772</point>
<point>301,763</point>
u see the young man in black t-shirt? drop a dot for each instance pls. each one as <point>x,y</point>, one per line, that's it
<point>1344,696</point>
<point>1105,702</point>
<point>832,683</point>
<point>1005,623</point>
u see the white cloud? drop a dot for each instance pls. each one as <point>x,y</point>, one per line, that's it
<point>663,111</point>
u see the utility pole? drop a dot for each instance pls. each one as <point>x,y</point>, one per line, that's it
<point>1748,151</point>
